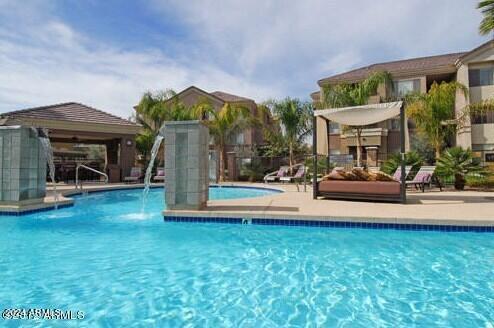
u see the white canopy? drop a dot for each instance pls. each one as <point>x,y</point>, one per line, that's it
<point>361,115</point>
<point>365,115</point>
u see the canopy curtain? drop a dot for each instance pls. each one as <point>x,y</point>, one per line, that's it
<point>365,115</point>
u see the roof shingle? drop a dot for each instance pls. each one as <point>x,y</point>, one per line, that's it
<point>70,111</point>
<point>399,67</point>
<point>228,97</point>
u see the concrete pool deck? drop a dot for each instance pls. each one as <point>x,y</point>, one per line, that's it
<point>432,207</point>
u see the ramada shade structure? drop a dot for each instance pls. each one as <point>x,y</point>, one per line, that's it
<point>362,116</point>
<point>73,122</point>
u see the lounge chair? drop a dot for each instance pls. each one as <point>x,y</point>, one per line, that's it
<point>160,175</point>
<point>299,175</point>
<point>275,176</point>
<point>135,175</point>
<point>423,178</point>
<point>397,174</point>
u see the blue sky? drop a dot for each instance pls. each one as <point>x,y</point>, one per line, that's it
<point>106,53</point>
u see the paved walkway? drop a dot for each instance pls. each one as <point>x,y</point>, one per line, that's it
<point>431,207</point>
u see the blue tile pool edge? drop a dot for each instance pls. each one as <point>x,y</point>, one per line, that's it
<point>36,210</point>
<point>332,224</point>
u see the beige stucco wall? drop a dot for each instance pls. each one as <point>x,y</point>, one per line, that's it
<point>482,134</point>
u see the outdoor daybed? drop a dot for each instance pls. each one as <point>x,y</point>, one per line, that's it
<point>360,184</point>
<point>366,190</point>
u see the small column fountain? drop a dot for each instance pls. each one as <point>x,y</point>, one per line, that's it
<point>22,167</point>
<point>186,165</point>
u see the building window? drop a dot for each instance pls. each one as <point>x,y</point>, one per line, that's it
<point>489,157</point>
<point>481,76</point>
<point>483,118</point>
<point>405,87</point>
<point>240,139</point>
<point>334,128</point>
<point>394,124</point>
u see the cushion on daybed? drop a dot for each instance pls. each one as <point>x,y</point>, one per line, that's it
<point>361,187</point>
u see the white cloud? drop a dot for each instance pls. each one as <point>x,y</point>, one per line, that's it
<point>48,62</point>
<point>254,48</point>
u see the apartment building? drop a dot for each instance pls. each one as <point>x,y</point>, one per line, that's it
<point>474,69</point>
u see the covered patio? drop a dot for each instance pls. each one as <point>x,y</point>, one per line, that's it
<point>78,132</point>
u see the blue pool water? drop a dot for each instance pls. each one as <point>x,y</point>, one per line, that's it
<point>124,267</point>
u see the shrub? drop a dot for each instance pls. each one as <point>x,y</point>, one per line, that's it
<point>411,159</point>
<point>459,163</point>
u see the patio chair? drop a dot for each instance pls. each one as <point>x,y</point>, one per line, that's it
<point>423,178</point>
<point>275,176</point>
<point>135,175</point>
<point>299,175</point>
<point>160,175</point>
<point>397,174</point>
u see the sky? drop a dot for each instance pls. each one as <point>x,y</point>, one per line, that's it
<point>107,53</point>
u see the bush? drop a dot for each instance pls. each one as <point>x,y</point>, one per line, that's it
<point>483,182</point>
<point>321,165</point>
<point>412,159</point>
<point>253,171</point>
<point>459,163</point>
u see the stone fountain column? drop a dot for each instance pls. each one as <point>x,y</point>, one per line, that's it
<point>22,167</point>
<point>186,165</point>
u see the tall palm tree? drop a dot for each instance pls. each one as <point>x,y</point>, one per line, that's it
<point>224,125</point>
<point>487,23</point>
<point>294,116</point>
<point>433,112</point>
<point>344,95</point>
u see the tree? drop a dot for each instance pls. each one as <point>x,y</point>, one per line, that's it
<point>154,109</point>
<point>345,95</point>
<point>224,125</point>
<point>487,23</point>
<point>458,162</point>
<point>294,117</point>
<point>434,111</point>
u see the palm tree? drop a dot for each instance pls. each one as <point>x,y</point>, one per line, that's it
<point>156,108</point>
<point>434,111</point>
<point>458,162</point>
<point>294,116</point>
<point>487,23</point>
<point>343,95</point>
<point>225,124</point>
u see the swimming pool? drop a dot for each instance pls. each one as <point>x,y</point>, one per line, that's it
<point>120,266</point>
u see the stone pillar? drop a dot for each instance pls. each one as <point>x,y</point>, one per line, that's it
<point>186,165</point>
<point>22,166</point>
<point>372,156</point>
<point>232,166</point>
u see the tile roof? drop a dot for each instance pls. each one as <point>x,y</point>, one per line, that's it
<point>229,97</point>
<point>70,111</point>
<point>399,67</point>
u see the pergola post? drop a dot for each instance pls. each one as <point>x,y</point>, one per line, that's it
<point>328,148</point>
<point>402,150</point>
<point>314,157</point>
